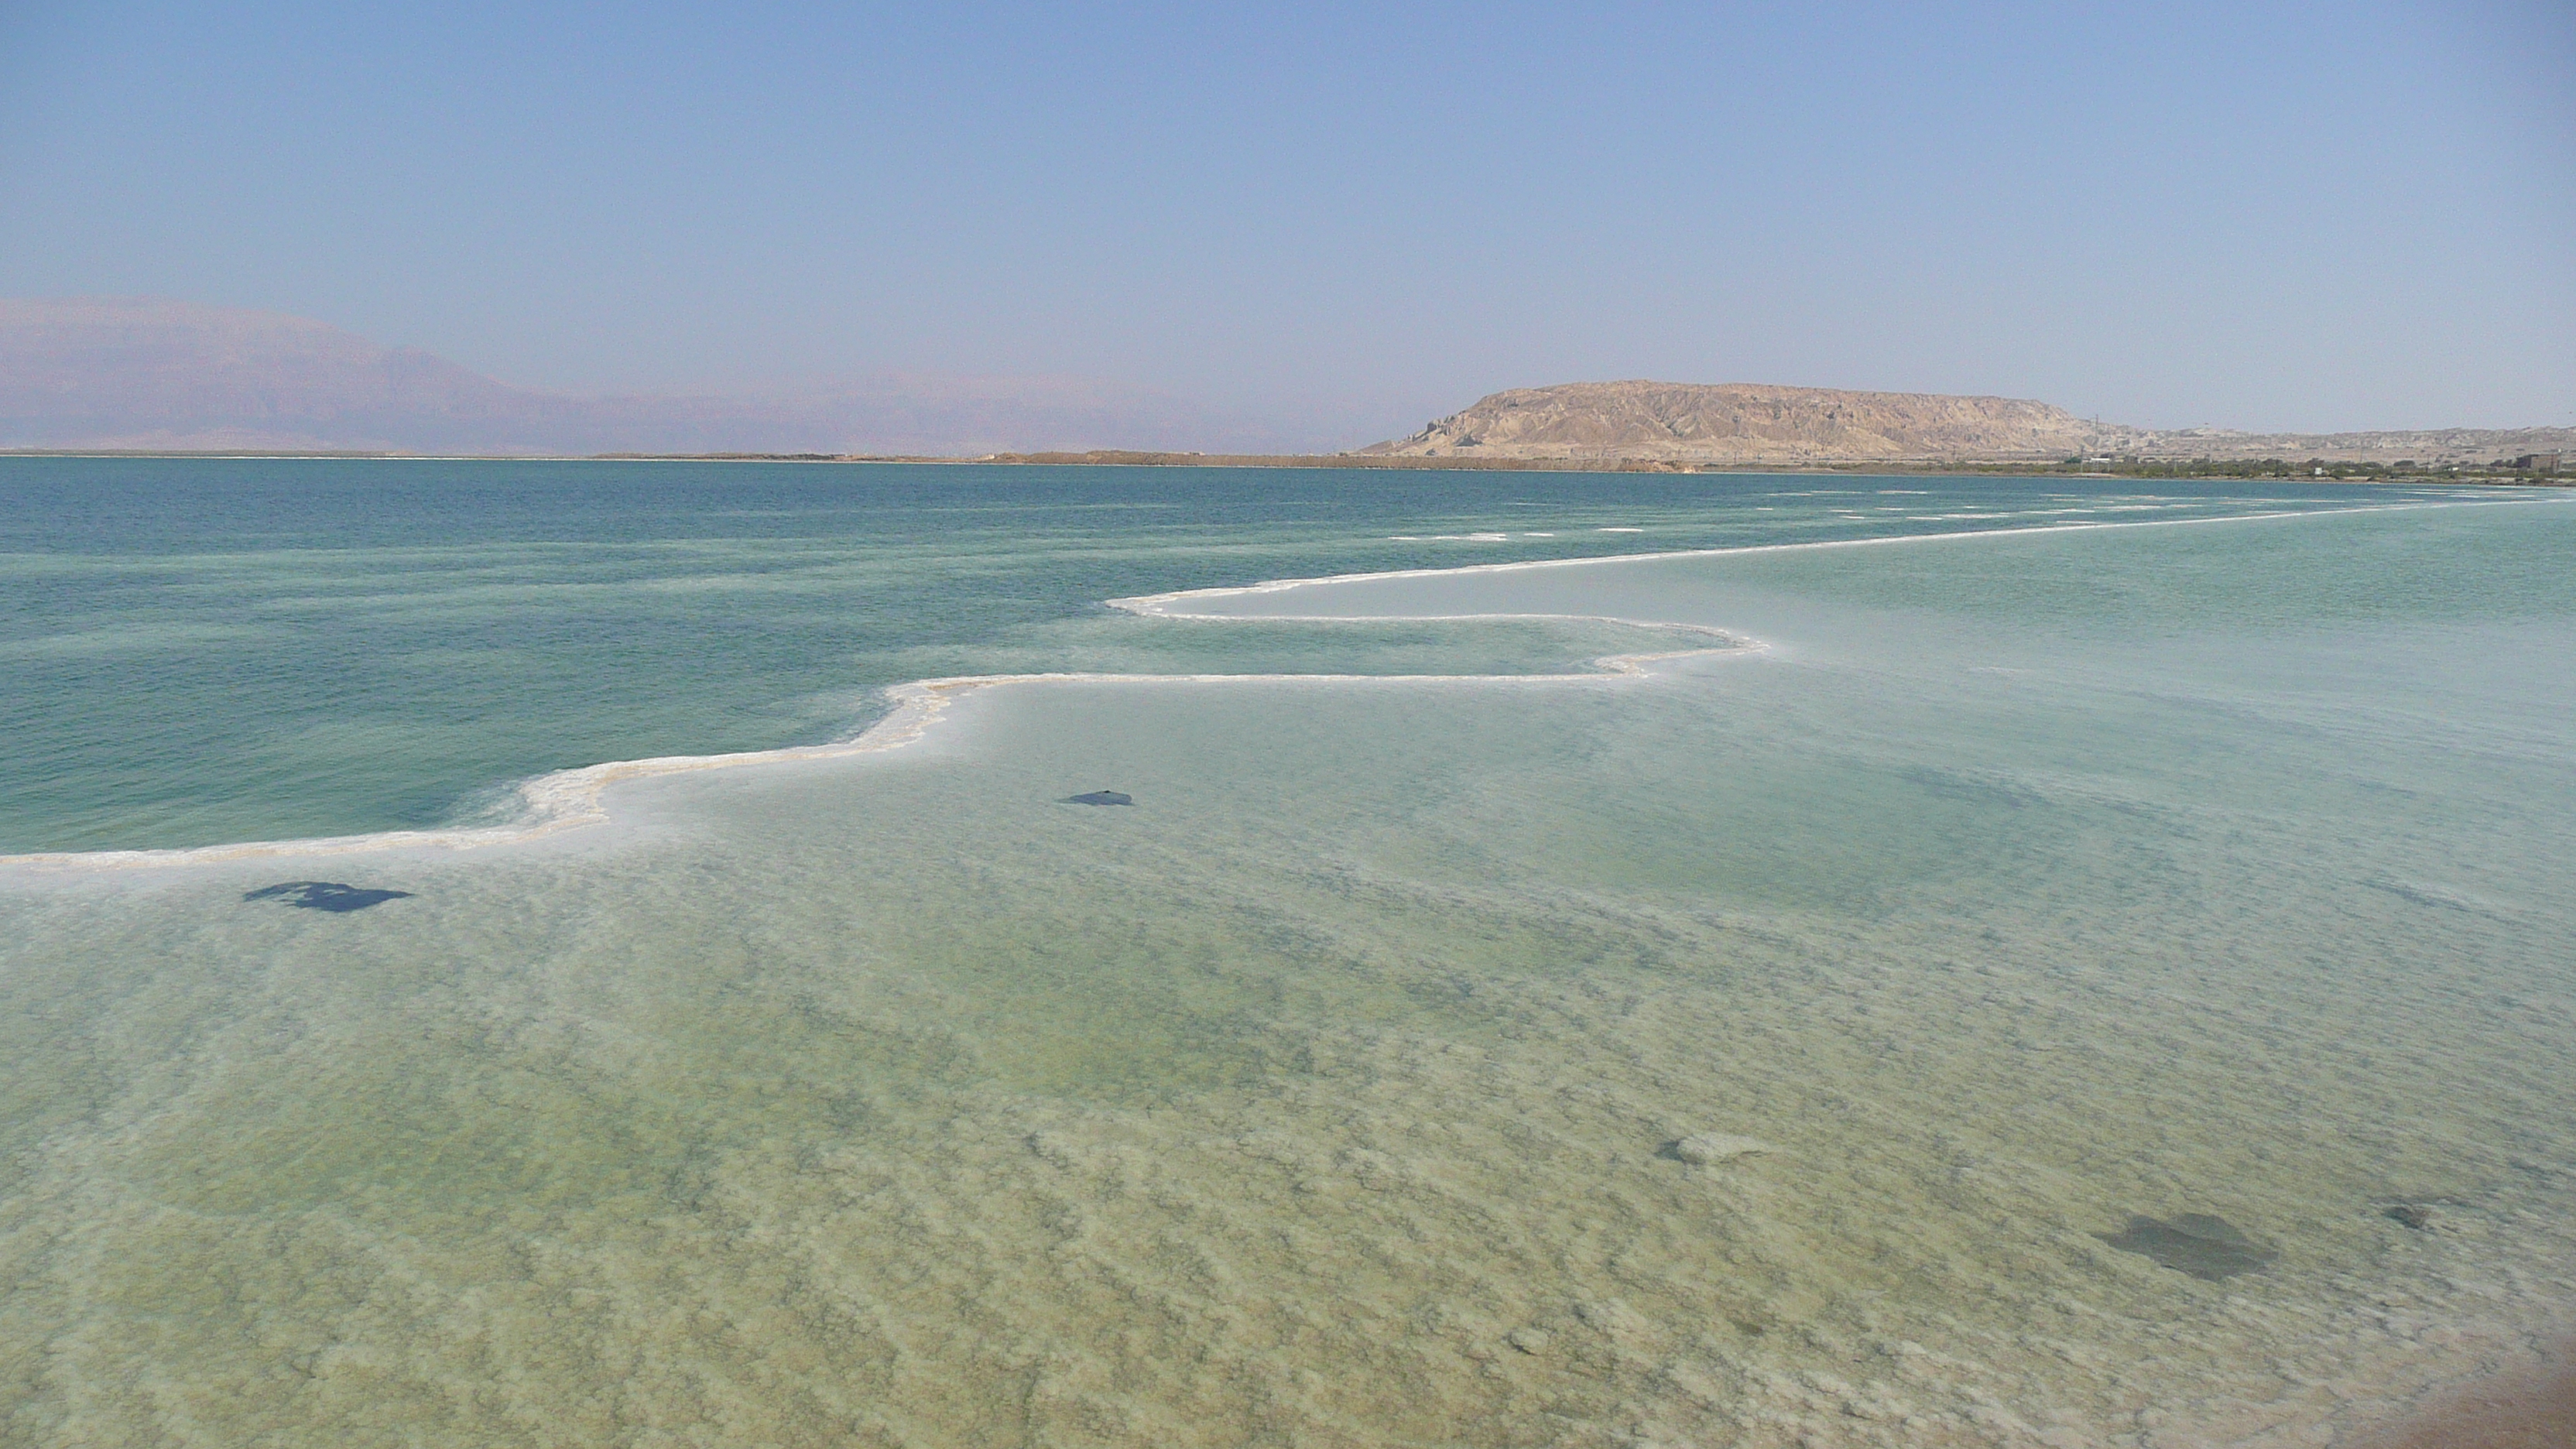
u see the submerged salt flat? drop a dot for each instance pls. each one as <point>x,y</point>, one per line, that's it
<point>199,652</point>
<point>1336,1091</point>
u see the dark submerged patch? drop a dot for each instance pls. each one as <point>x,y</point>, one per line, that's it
<point>2194,1243</point>
<point>325,895</point>
<point>1099,797</point>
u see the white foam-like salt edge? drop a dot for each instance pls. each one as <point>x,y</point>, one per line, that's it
<point>570,799</point>
<point>1159,605</point>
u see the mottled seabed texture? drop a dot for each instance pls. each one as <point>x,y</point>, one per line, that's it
<point>1973,990</point>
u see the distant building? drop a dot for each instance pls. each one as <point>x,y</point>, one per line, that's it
<point>2537,462</point>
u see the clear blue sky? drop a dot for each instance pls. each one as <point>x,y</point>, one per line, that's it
<point>2251,214</point>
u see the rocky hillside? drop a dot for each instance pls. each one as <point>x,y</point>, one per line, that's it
<point>1745,423</point>
<point>1749,423</point>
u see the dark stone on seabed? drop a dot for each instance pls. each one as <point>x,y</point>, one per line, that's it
<point>2418,1218</point>
<point>1099,797</point>
<point>2194,1243</point>
<point>325,895</point>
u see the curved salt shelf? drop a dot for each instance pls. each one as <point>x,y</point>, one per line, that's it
<point>570,799</point>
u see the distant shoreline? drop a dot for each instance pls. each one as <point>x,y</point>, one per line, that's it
<point>2286,470</point>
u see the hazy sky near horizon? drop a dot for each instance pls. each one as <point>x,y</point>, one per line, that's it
<point>2251,214</point>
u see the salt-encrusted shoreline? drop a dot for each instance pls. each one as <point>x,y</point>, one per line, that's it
<point>570,799</point>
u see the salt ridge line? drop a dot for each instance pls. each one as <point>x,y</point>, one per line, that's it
<point>1158,605</point>
<point>569,799</point>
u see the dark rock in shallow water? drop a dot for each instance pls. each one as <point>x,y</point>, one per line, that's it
<point>1099,797</point>
<point>2195,1243</point>
<point>325,895</point>
<point>2418,1218</point>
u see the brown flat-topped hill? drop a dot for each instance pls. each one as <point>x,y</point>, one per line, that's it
<point>1744,422</point>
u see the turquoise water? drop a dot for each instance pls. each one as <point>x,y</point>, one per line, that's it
<point>1342,1090</point>
<point>200,652</point>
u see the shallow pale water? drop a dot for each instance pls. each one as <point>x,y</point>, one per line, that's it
<point>2012,888</point>
<point>195,652</point>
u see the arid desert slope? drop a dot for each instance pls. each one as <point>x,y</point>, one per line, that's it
<point>1759,423</point>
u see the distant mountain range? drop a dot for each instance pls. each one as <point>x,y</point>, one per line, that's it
<point>1754,423</point>
<point>127,373</point>
<point>154,375</point>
